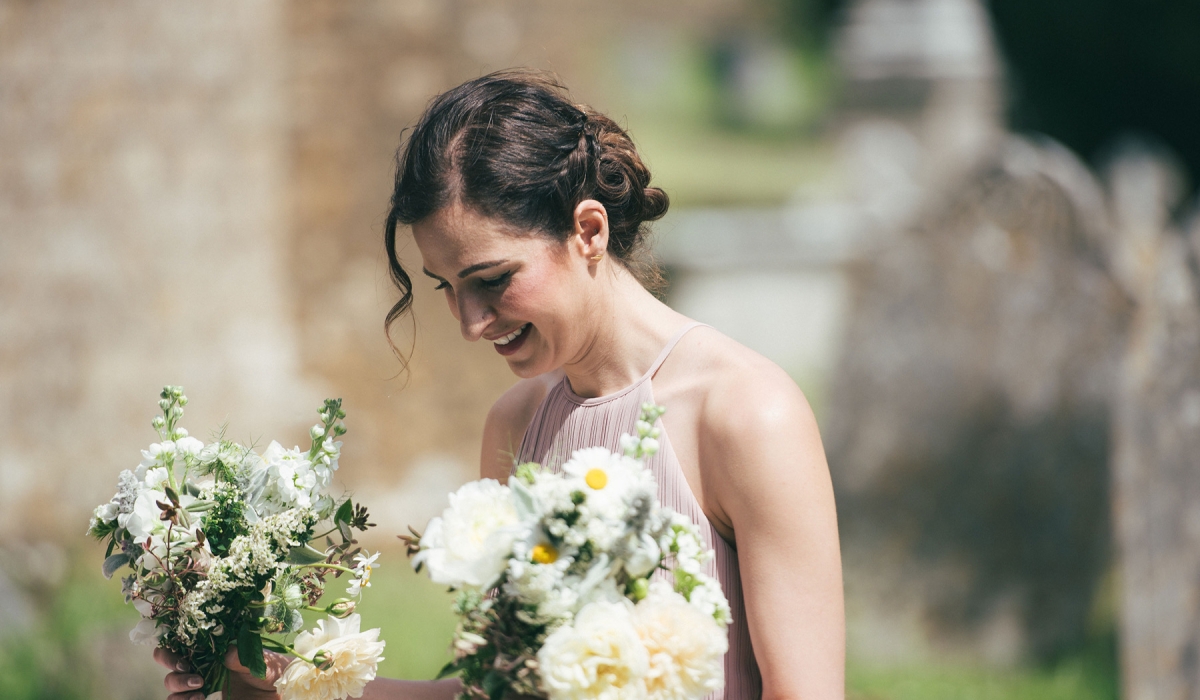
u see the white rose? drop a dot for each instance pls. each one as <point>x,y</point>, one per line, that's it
<point>598,657</point>
<point>686,648</point>
<point>353,659</point>
<point>470,543</point>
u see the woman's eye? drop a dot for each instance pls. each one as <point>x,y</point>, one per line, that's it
<point>495,281</point>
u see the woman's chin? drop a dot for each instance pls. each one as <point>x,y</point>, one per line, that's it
<point>526,365</point>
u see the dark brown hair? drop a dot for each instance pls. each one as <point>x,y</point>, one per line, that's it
<point>511,145</point>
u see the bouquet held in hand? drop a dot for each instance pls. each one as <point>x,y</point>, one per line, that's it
<point>227,546</point>
<point>558,595</point>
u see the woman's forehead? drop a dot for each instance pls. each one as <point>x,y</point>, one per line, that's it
<point>457,237</point>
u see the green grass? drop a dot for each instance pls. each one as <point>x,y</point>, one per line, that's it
<point>415,619</point>
<point>1077,678</point>
<point>51,661</point>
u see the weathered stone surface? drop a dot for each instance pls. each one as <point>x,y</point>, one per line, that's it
<point>1157,440</point>
<point>968,430</point>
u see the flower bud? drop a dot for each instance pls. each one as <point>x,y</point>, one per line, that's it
<point>341,607</point>
<point>639,588</point>
<point>317,432</point>
<point>182,400</point>
<point>164,404</point>
<point>158,423</point>
<point>323,660</point>
<point>179,433</point>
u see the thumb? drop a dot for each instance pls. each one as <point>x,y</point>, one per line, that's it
<point>276,663</point>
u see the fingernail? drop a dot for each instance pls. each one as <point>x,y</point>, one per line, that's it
<point>195,682</point>
<point>182,666</point>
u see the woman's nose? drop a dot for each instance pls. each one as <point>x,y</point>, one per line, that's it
<point>473,316</point>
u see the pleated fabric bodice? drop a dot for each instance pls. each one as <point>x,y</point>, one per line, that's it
<point>565,422</point>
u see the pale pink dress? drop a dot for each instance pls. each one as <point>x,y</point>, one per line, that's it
<point>565,422</point>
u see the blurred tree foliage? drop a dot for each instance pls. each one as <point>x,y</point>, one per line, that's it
<point>1081,71</point>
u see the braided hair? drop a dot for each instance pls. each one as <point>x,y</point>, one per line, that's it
<point>512,146</point>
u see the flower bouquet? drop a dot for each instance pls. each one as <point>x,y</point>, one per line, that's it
<point>223,547</point>
<point>555,591</point>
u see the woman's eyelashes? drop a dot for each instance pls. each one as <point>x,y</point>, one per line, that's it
<point>495,282</point>
<point>487,283</point>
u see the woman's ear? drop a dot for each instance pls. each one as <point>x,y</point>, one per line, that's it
<point>591,228</point>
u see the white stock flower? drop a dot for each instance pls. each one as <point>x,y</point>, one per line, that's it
<point>469,544</point>
<point>147,630</point>
<point>709,599</point>
<point>291,480</point>
<point>352,659</point>
<point>642,554</point>
<point>144,519</point>
<point>158,454</point>
<point>685,646</point>
<point>156,478</point>
<point>598,657</point>
<point>189,447</point>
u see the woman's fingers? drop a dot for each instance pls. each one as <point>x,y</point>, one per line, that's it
<point>182,682</point>
<point>171,661</point>
<point>276,663</point>
<point>186,696</point>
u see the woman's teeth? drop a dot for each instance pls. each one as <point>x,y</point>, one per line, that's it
<point>511,336</point>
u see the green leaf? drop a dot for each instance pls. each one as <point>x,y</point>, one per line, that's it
<point>344,528</point>
<point>448,670</point>
<point>494,685</point>
<point>345,513</point>
<point>111,564</point>
<point>250,652</point>
<point>526,503</point>
<point>200,506</point>
<point>305,555</point>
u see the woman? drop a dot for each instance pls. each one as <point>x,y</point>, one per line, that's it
<point>529,215</point>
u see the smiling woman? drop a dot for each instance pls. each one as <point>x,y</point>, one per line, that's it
<point>530,215</point>
<point>512,150</point>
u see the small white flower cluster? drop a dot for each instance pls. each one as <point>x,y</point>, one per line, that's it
<point>570,557</point>
<point>220,543</point>
<point>252,556</point>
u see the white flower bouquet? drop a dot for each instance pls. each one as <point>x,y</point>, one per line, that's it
<point>223,547</point>
<point>554,579</point>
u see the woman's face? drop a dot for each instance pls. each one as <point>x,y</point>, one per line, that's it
<point>518,290</point>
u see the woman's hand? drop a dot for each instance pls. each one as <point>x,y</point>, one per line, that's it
<point>183,685</point>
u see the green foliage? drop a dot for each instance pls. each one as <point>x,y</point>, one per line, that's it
<point>226,520</point>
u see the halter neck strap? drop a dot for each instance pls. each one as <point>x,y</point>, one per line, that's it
<point>666,351</point>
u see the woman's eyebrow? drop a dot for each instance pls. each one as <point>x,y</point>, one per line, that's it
<point>479,266</point>
<point>430,274</point>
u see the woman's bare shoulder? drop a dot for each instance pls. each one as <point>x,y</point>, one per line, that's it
<point>507,420</point>
<point>742,391</point>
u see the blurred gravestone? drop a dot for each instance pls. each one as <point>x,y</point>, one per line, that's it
<point>1157,435</point>
<point>968,428</point>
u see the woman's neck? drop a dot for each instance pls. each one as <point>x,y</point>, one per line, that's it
<point>630,328</point>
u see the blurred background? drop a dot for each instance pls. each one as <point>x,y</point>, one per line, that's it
<point>969,231</point>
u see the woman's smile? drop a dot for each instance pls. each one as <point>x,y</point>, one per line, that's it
<point>509,344</point>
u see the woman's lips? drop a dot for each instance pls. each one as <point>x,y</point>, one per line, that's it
<point>516,343</point>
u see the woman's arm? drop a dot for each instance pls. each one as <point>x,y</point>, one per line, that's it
<point>761,450</point>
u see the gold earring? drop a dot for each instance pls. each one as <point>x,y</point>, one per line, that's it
<point>597,257</point>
